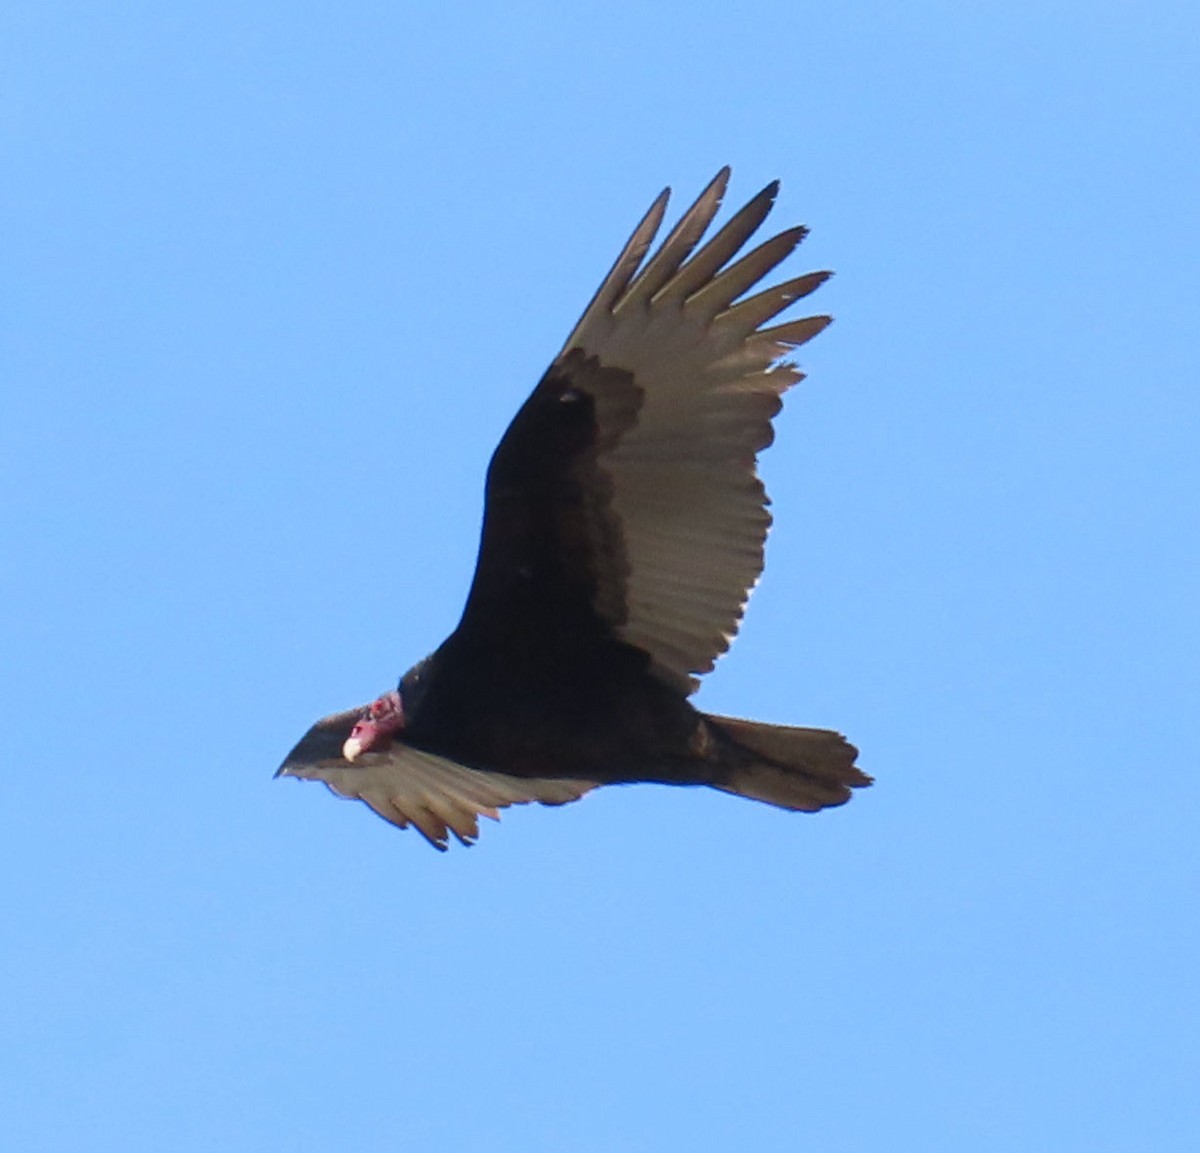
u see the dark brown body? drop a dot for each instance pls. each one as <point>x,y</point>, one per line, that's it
<point>577,707</point>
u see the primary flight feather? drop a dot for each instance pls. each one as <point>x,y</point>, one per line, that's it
<point>623,530</point>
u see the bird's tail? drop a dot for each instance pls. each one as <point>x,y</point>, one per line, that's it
<point>794,768</point>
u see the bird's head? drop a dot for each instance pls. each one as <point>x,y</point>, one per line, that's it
<point>336,741</point>
<point>376,725</point>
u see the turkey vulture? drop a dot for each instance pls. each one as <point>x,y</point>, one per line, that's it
<point>623,530</point>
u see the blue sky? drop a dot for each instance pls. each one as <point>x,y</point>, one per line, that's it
<point>276,277</point>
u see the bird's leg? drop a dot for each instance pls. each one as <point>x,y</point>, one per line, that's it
<point>380,721</point>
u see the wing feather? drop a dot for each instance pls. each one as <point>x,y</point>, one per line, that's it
<point>744,318</point>
<point>732,236</point>
<point>682,483</point>
<point>678,246</point>
<point>636,247</point>
<point>720,292</point>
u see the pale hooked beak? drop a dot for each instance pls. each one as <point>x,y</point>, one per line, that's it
<point>352,748</point>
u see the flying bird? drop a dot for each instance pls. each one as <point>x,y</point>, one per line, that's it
<point>623,531</point>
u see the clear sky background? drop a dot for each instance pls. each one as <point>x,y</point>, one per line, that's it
<point>274,279</point>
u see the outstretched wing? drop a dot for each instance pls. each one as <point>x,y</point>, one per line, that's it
<point>408,786</point>
<point>626,487</point>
